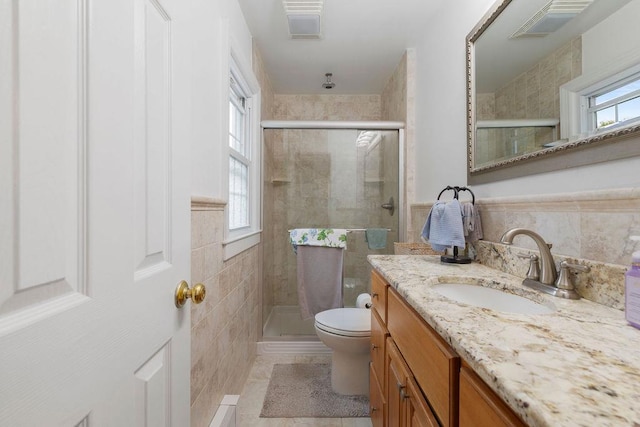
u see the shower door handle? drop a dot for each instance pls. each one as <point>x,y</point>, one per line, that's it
<point>389,206</point>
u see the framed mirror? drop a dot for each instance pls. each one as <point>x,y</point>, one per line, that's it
<point>552,84</point>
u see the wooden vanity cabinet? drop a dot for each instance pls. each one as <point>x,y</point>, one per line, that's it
<point>480,406</point>
<point>433,362</point>
<point>416,377</point>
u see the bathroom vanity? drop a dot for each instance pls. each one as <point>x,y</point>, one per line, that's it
<point>436,361</point>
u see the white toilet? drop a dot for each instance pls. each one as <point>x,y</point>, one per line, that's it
<point>347,331</point>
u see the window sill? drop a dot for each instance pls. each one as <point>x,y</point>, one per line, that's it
<point>237,245</point>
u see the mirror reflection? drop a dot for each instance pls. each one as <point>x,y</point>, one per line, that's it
<point>546,76</point>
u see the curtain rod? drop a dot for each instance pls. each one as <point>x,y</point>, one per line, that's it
<point>328,124</point>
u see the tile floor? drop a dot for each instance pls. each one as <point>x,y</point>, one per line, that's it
<point>252,396</point>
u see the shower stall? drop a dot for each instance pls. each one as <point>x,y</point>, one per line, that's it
<point>325,175</point>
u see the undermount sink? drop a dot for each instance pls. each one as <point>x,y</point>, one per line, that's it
<point>492,299</point>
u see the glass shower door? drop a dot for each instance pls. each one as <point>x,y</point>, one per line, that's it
<point>324,178</point>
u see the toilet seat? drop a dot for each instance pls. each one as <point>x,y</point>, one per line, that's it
<point>348,322</point>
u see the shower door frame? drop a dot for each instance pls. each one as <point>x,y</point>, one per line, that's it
<point>351,125</point>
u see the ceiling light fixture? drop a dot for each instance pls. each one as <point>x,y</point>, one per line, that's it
<point>551,17</point>
<point>303,17</point>
<point>328,84</point>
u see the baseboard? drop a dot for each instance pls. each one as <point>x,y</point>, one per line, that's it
<point>292,347</point>
<point>226,413</point>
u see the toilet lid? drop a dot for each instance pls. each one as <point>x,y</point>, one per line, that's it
<point>351,322</point>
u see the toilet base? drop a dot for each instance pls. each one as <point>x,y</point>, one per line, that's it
<point>350,373</point>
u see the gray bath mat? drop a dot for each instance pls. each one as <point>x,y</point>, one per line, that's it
<point>302,390</point>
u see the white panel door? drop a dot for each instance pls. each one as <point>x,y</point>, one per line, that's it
<point>94,212</point>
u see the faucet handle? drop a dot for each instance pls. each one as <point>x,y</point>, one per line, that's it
<point>564,280</point>
<point>534,266</point>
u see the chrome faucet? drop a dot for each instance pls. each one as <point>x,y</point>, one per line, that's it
<point>548,272</point>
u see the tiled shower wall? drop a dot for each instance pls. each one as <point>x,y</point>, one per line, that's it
<point>225,326</point>
<point>280,212</point>
<point>267,100</point>
<point>319,178</point>
<point>398,104</point>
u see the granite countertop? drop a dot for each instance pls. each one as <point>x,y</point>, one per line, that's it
<point>578,366</point>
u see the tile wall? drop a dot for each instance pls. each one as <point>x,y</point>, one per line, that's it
<point>588,227</point>
<point>398,104</point>
<point>224,328</point>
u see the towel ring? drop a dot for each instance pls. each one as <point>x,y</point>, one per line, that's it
<point>456,190</point>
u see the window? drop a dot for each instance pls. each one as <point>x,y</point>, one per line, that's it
<point>239,159</point>
<point>616,104</point>
<point>243,160</point>
<point>601,100</point>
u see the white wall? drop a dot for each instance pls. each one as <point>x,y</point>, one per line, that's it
<point>441,114</point>
<point>441,97</point>
<point>601,44</point>
<point>218,24</point>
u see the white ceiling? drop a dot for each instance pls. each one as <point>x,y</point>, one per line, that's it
<point>363,42</point>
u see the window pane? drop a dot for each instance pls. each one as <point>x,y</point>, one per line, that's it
<point>236,126</point>
<point>238,194</point>
<point>621,91</point>
<point>629,110</point>
<point>606,117</point>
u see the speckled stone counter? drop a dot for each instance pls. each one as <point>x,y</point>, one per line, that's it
<point>578,366</point>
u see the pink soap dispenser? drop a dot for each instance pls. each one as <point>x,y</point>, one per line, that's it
<point>632,291</point>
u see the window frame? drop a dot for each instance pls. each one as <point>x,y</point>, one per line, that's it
<point>578,122</point>
<point>240,239</point>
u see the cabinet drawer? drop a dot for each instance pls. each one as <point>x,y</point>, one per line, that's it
<point>379,295</point>
<point>434,364</point>
<point>377,410</point>
<point>378,345</point>
<point>480,406</point>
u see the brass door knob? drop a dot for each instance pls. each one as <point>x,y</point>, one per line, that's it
<point>183,293</point>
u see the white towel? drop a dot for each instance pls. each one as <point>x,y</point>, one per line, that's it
<point>443,227</point>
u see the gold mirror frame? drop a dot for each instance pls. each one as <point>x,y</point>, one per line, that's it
<point>613,145</point>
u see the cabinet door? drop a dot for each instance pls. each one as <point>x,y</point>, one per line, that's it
<point>480,406</point>
<point>418,411</point>
<point>377,410</point>
<point>396,389</point>
<point>379,295</point>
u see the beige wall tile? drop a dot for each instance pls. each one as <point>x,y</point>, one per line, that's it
<point>592,228</point>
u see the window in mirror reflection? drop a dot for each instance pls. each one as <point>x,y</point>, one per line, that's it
<point>618,104</point>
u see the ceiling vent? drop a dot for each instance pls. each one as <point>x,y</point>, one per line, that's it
<point>551,17</point>
<point>303,17</point>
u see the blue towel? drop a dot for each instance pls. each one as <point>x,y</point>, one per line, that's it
<point>443,227</point>
<point>376,238</point>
